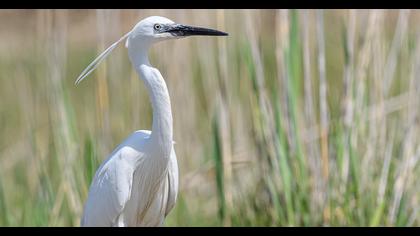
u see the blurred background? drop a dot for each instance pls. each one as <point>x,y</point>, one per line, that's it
<point>297,118</point>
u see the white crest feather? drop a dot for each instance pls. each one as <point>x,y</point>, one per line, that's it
<point>92,66</point>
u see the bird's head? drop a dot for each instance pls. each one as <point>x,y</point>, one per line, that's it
<point>148,31</point>
<point>157,28</point>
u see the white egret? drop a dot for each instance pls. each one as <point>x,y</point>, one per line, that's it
<point>137,184</point>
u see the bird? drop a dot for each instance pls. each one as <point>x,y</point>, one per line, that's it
<point>137,184</point>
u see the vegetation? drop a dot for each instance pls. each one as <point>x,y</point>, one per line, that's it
<point>297,118</point>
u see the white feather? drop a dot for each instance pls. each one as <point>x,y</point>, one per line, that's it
<point>92,66</point>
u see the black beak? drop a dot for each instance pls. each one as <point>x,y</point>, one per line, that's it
<point>185,30</point>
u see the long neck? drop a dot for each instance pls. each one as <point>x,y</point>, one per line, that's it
<point>162,134</point>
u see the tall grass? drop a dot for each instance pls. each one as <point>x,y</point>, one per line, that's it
<point>298,118</point>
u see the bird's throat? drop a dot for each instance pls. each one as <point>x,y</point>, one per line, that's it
<point>162,137</point>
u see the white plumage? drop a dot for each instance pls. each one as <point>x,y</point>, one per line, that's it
<point>137,185</point>
<point>113,198</point>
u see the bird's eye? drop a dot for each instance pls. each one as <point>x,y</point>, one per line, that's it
<point>157,26</point>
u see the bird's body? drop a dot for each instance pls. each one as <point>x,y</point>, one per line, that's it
<point>130,201</point>
<point>137,185</point>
